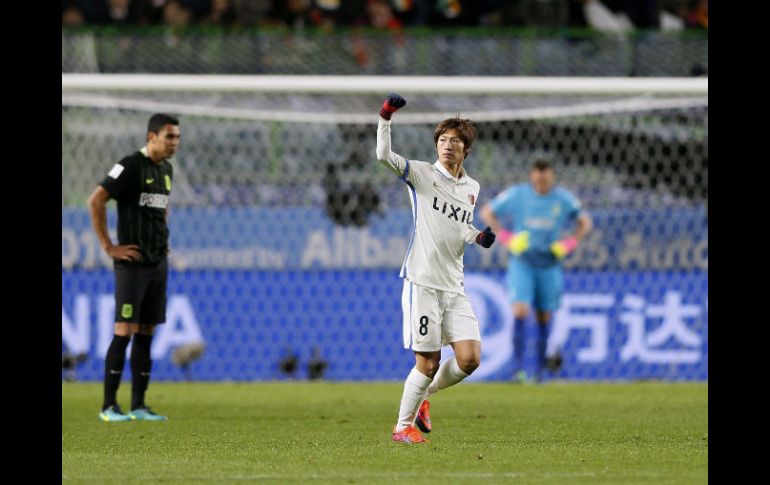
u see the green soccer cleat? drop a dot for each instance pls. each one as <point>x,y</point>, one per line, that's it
<point>145,414</point>
<point>113,413</point>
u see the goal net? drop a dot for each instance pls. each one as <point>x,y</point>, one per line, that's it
<point>287,234</point>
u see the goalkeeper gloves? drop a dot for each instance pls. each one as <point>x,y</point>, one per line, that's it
<point>393,103</point>
<point>516,243</point>
<point>486,237</point>
<point>562,248</point>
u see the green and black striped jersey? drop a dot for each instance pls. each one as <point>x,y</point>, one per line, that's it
<point>141,188</point>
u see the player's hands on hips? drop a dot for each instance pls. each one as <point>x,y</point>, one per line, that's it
<point>562,248</point>
<point>128,252</point>
<point>486,237</point>
<point>393,103</point>
<point>518,243</point>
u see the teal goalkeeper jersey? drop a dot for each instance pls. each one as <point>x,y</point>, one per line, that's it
<point>545,217</point>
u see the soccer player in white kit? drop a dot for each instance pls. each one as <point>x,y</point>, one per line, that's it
<point>436,310</point>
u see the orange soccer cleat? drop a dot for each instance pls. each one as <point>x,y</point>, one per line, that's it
<point>423,417</point>
<point>409,435</point>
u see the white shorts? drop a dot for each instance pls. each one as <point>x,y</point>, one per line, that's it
<point>434,318</point>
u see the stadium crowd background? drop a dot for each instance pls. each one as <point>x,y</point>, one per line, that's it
<point>392,14</point>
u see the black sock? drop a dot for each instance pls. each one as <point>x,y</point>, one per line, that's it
<point>113,369</point>
<point>542,344</point>
<point>141,364</point>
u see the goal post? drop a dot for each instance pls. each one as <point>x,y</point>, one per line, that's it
<point>260,153</point>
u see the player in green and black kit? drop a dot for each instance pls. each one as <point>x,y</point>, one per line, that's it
<point>141,184</point>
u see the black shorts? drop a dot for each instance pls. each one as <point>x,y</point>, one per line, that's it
<point>140,293</point>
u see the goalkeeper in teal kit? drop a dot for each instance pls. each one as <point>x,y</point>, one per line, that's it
<point>532,220</point>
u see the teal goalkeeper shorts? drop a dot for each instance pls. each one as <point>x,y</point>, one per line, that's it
<point>539,288</point>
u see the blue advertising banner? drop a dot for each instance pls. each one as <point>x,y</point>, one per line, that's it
<point>611,324</point>
<point>246,238</point>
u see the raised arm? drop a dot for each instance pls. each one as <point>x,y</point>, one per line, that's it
<point>393,161</point>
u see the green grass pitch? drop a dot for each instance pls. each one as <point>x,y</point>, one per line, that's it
<point>321,432</point>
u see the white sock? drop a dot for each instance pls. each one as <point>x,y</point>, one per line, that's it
<point>449,374</point>
<point>414,388</point>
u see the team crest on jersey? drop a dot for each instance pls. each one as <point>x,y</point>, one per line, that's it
<point>556,210</point>
<point>472,199</point>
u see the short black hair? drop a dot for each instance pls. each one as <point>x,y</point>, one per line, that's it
<point>159,120</point>
<point>541,164</point>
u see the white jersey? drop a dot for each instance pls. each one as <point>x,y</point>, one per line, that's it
<point>442,208</point>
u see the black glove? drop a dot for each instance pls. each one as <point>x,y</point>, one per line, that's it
<point>486,237</point>
<point>391,105</point>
